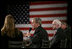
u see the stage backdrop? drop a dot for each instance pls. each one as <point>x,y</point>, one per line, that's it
<point>46,10</point>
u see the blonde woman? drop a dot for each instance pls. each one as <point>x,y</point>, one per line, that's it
<point>9,32</point>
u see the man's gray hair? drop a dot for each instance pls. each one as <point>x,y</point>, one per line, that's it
<point>56,21</point>
<point>38,20</point>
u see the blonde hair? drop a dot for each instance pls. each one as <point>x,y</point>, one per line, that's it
<point>9,26</point>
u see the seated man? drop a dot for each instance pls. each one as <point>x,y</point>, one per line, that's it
<point>56,40</point>
<point>67,34</point>
<point>39,35</point>
<point>62,38</point>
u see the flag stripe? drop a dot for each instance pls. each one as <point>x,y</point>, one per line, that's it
<point>29,28</point>
<point>47,6</point>
<point>50,22</point>
<point>48,12</point>
<point>49,15</point>
<point>50,35</point>
<point>29,25</point>
<point>49,2</point>
<point>48,9</point>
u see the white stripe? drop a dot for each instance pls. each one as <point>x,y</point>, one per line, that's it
<point>47,12</point>
<point>32,32</point>
<point>23,25</point>
<point>51,18</point>
<point>49,38</point>
<point>47,6</point>
<point>29,25</point>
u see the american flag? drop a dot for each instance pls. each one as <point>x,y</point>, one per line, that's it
<point>46,10</point>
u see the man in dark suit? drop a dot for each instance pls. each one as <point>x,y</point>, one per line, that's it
<point>39,36</point>
<point>55,42</point>
<point>62,37</point>
<point>67,34</point>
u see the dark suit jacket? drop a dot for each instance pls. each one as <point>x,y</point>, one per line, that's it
<point>55,42</point>
<point>39,35</point>
<point>67,33</point>
<point>61,39</point>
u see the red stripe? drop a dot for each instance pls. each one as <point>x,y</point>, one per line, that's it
<point>50,35</point>
<point>48,28</point>
<point>50,22</point>
<point>49,15</point>
<point>47,2</point>
<point>48,9</point>
<point>29,28</point>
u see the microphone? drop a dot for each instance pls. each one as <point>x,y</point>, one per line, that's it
<point>30,30</point>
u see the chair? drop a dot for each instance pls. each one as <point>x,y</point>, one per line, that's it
<point>63,43</point>
<point>15,44</point>
<point>45,44</point>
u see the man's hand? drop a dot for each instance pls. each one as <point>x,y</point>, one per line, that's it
<point>27,34</point>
